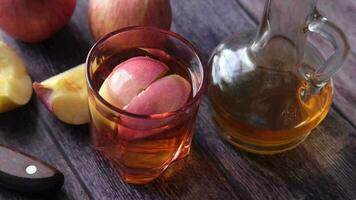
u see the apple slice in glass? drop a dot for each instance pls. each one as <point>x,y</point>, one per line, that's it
<point>130,78</point>
<point>137,87</point>
<point>164,95</point>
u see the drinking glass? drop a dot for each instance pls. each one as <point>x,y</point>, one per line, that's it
<point>139,146</point>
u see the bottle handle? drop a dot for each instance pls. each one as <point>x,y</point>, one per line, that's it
<point>337,38</point>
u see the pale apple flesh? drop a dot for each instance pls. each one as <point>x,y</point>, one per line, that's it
<point>103,130</point>
<point>15,82</point>
<point>66,96</point>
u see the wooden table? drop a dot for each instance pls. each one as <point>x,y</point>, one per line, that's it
<point>323,167</point>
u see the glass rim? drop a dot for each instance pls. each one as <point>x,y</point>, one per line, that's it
<point>145,116</point>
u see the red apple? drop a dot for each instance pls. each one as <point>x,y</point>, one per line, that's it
<point>108,15</point>
<point>34,20</point>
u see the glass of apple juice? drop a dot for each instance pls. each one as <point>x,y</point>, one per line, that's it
<point>145,86</point>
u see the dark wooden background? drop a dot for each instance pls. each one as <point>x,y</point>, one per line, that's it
<point>323,167</point>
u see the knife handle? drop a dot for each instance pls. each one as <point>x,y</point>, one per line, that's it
<point>24,173</point>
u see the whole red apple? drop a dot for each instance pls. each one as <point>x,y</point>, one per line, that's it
<point>108,15</point>
<point>34,20</point>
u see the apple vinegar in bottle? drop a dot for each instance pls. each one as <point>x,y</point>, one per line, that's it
<point>270,88</point>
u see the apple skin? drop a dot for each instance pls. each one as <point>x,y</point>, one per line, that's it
<point>108,15</point>
<point>167,94</point>
<point>34,20</point>
<point>129,78</point>
<point>44,94</point>
<point>138,87</point>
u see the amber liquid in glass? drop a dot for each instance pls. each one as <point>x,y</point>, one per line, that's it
<point>141,160</point>
<point>266,108</point>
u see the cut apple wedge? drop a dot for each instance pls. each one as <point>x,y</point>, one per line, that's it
<point>66,95</point>
<point>130,78</point>
<point>15,83</point>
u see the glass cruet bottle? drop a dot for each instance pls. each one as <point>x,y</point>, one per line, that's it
<point>269,88</point>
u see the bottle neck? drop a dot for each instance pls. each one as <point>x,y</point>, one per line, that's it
<point>281,35</point>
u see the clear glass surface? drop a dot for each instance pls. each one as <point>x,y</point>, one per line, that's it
<point>269,88</point>
<point>141,147</point>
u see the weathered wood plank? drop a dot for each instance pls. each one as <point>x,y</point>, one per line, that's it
<point>343,14</point>
<point>93,170</point>
<point>206,25</point>
<point>22,130</point>
<point>321,168</point>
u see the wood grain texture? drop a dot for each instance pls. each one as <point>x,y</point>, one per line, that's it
<point>22,129</point>
<point>343,14</point>
<point>321,168</point>
<point>93,170</point>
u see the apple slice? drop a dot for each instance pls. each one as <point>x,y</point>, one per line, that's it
<point>130,78</point>
<point>66,95</point>
<point>15,83</point>
<point>164,95</point>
